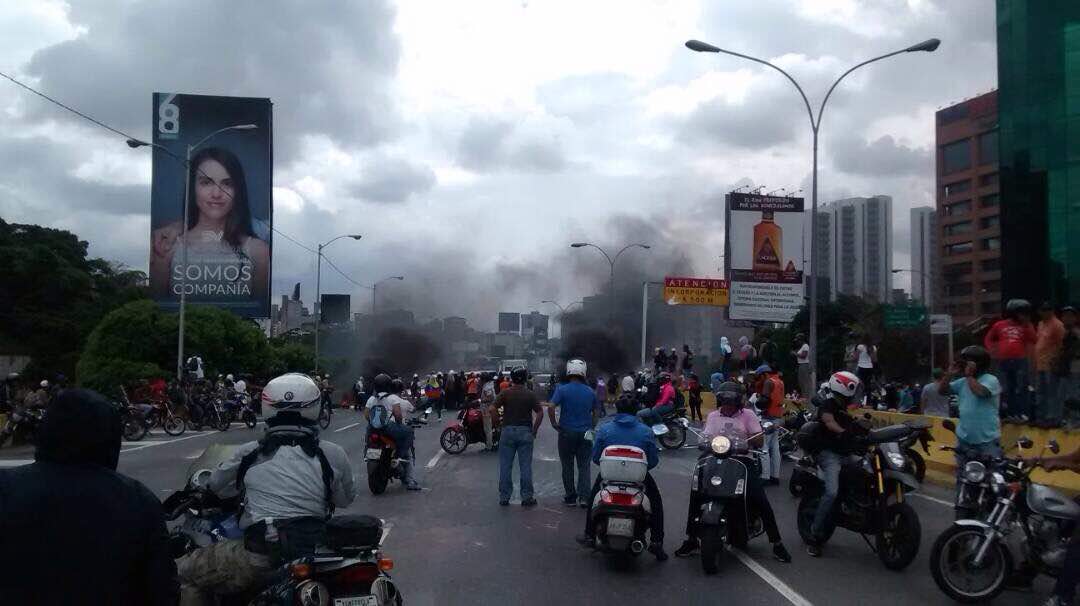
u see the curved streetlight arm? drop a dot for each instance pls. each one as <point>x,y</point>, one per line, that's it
<point>628,247</point>
<point>353,236</point>
<point>221,130</point>
<point>821,109</point>
<point>602,251</point>
<point>561,308</point>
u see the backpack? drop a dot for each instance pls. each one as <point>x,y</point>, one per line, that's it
<point>269,445</point>
<point>380,414</point>
<point>810,437</point>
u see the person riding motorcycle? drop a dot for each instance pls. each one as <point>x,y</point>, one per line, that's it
<point>732,419</point>
<point>627,430</point>
<point>839,435</point>
<point>487,409</point>
<point>387,412</point>
<point>654,413</point>
<point>291,483</point>
<point>7,392</point>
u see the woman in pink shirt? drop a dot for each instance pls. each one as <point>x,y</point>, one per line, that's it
<point>665,402</point>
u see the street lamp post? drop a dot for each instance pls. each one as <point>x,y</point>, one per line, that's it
<point>562,309</point>
<point>318,290</point>
<point>376,285</point>
<point>135,143</point>
<point>815,124</point>
<point>644,316</point>
<point>611,278</point>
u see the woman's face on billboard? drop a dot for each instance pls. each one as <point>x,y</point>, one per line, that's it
<point>213,190</point>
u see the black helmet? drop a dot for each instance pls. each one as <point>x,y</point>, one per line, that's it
<point>397,386</point>
<point>519,375</point>
<point>978,355</point>
<point>383,383</point>
<point>1017,306</point>
<point>729,393</point>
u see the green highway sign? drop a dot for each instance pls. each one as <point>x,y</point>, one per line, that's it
<point>904,316</point>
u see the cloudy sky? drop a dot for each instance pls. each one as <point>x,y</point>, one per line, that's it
<point>471,142</point>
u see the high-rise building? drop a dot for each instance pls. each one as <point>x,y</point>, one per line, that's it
<point>510,322</point>
<point>924,255</point>
<point>858,238</point>
<point>967,201</point>
<point>1039,114</point>
<point>335,309</point>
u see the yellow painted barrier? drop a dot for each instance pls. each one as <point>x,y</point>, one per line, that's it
<point>945,462</point>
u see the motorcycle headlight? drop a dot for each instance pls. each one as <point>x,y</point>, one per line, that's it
<point>974,472</point>
<point>897,460</point>
<point>720,445</point>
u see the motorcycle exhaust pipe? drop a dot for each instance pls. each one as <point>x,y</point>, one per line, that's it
<point>636,547</point>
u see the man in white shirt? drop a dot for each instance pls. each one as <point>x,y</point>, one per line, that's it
<point>386,412</point>
<point>866,358</point>
<point>802,360</point>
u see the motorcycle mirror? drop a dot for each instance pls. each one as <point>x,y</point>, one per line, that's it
<point>201,478</point>
<point>1053,446</point>
<point>948,424</point>
<point>1024,443</point>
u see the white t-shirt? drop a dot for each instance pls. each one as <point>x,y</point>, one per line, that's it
<point>865,361</point>
<point>805,349</point>
<point>389,400</point>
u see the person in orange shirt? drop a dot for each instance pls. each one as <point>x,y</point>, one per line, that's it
<point>771,402</point>
<point>472,388</point>
<point>1049,340</point>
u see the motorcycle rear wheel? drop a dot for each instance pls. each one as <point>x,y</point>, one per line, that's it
<point>134,429</point>
<point>674,438</point>
<point>712,547</point>
<point>173,425</point>
<point>949,556</point>
<point>453,441</point>
<point>805,516</point>
<point>898,543</point>
<point>376,479</point>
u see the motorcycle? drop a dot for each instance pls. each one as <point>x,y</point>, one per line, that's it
<point>972,560</point>
<point>975,497</point>
<point>620,511</point>
<point>671,432</point>
<point>22,425</point>
<point>916,463</point>
<point>350,569</point>
<point>238,407</point>
<point>721,479</point>
<point>467,429</point>
<point>383,461</point>
<point>871,498</point>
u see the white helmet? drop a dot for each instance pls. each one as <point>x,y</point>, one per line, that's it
<point>45,384</point>
<point>228,377</point>
<point>627,384</point>
<point>292,392</point>
<point>576,367</point>
<point>844,383</point>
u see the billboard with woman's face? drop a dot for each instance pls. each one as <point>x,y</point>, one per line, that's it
<point>214,156</point>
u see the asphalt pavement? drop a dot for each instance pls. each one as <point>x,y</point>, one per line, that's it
<point>453,544</point>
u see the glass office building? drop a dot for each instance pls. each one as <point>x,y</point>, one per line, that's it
<point>1039,148</point>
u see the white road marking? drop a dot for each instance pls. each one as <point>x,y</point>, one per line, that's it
<point>435,459</point>
<point>346,427</point>
<point>15,462</point>
<point>152,444</point>
<point>929,498</point>
<point>781,587</point>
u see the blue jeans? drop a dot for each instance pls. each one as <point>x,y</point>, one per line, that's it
<point>654,416</point>
<point>770,467</point>
<point>1013,373</point>
<point>829,462</point>
<point>403,439</point>
<point>574,449</point>
<point>966,452</point>
<point>1048,396</point>
<point>516,440</point>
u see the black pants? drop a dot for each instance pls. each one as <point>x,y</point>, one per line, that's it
<point>755,498</point>
<point>1065,587</point>
<point>695,409</point>
<point>656,516</point>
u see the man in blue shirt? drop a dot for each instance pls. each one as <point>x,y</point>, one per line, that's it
<point>979,398</point>
<point>626,430</point>
<point>577,406</point>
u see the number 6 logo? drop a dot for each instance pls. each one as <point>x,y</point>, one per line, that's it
<point>168,116</point>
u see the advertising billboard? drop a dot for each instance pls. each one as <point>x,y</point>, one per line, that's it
<point>764,251</point>
<point>695,291</point>
<point>212,156</point>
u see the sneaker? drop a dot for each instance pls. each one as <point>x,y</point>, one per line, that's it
<point>504,502</point>
<point>530,502</point>
<point>657,549</point>
<point>687,549</point>
<point>569,501</point>
<point>781,553</point>
<point>412,486</point>
<point>814,550</point>
<point>586,541</point>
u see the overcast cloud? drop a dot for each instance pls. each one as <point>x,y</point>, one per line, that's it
<point>471,143</point>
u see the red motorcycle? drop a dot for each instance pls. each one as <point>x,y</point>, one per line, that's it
<point>467,429</point>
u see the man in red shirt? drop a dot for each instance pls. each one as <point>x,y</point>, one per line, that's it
<point>1010,342</point>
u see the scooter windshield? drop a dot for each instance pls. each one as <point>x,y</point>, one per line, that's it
<point>214,455</point>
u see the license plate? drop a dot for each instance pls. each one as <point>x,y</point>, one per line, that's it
<point>360,600</point>
<point>623,527</point>
<point>373,454</point>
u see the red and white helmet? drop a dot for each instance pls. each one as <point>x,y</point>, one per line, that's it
<point>844,383</point>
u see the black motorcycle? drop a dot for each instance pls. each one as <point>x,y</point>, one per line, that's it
<point>973,559</point>
<point>722,478</point>
<point>873,486</point>
<point>975,494</point>
<point>675,425</point>
<point>22,426</point>
<point>384,463</point>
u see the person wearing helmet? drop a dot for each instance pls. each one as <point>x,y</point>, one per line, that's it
<point>731,418</point>
<point>522,415</point>
<point>660,360</point>
<point>1011,342</point>
<point>978,395</point>
<point>290,482</point>
<point>387,412</point>
<point>7,392</point>
<point>578,407</point>
<point>626,430</point>
<point>665,402</point>
<point>838,439</point>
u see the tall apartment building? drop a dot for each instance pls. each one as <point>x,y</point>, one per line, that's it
<point>855,247</point>
<point>968,211</point>
<point>924,255</point>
